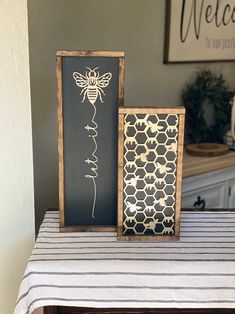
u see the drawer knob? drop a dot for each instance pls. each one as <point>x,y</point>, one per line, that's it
<point>199,203</point>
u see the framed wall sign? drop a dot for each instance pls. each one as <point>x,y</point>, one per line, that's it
<point>150,172</point>
<point>90,91</point>
<point>199,31</point>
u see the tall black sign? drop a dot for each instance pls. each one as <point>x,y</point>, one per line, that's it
<point>90,91</point>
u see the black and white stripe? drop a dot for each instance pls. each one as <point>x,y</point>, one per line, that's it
<point>95,270</point>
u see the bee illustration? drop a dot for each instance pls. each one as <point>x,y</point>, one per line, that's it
<point>168,230</point>
<point>168,219</point>
<point>161,201</point>
<point>172,147</point>
<point>132,207</point>
<point>128,222</point>
<point>172,128</point>
<point>141,121</point>
<point>151,141</point>
<point>151,225</point>
<point>154,127</point>
<point>130,140</point>
<point>92,84</point>
<point>163,168</point>
<point>130,164</point>
<point>133,181</point>
<point>150,186</point>
<point>143,156</point>
<point>149,208</point>
<point>126,127</point>
<point>150,176</point>
<point>160,181</point>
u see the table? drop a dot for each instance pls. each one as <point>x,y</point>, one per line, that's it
<point>194,165</point>
<point>94,270</point>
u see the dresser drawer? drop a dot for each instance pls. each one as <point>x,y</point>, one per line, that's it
<point>213,196</point>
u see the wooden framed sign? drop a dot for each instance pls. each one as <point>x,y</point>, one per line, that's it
<point>90,91</point>
<point>199,31</point>
<point>150,173</point>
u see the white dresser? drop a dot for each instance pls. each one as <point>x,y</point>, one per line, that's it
<point>209,181</point>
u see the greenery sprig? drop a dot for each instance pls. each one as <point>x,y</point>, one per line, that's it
<point>212,88</point>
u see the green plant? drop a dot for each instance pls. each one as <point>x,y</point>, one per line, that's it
<point>212,88</point>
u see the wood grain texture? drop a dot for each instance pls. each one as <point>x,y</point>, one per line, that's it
<point>194,165</point>
<point>153,110</point>
<point>167,31</point>
<point>88,229</point>
<point>60,139</point>
<point>148,238</point>
<point>179,174</point>
<point>207,149</point>
<point>89,53</point>
<point>120,174</point>
<point>121,82</point>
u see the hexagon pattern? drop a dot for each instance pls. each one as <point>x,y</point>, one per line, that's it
<point>150,159</point>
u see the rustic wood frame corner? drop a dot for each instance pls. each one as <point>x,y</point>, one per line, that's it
<point>180,111</point>
<point>80,53</point>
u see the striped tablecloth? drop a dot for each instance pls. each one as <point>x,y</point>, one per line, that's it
<point>95,270</point>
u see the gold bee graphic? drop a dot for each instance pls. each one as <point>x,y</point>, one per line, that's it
<point>133,181</point>
<point>154,127</point>
<point>143,156</point>
<point>161,201</point>
<point>163,168</point>
<point>132,207</point>
<point>151,224</point>
<point>92,84</point>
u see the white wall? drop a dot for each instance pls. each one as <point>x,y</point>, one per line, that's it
<point>16,174</point>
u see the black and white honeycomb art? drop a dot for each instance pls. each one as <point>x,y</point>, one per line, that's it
<point>149,174</point>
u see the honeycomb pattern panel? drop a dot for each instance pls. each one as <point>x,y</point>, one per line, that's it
<point>149,174</point>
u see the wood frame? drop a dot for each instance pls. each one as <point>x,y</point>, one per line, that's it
<point>166,60</point>
<point>80,53</point>
<point>180,111</point>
